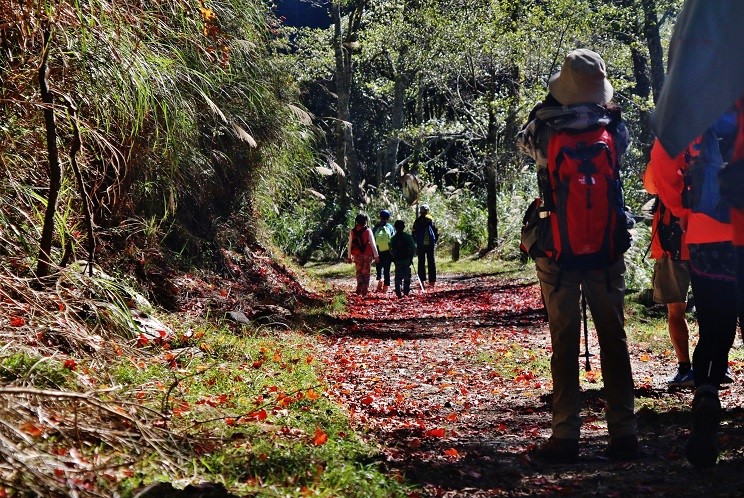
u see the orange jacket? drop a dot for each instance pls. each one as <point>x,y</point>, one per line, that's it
<point>669,181</point>
<point>649,183</point>
<point>737,215</point>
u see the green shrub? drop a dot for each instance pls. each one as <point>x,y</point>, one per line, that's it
<point>637,259</point>
<point>460,215</point>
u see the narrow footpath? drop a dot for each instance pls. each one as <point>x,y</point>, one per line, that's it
<point>453,384</point>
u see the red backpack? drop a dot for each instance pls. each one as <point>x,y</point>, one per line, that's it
<point>359,240</point>
<point>584,197</point>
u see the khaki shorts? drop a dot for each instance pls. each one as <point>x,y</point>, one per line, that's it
<point>671,280</point>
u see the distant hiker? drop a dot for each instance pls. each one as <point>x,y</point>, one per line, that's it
<point>705,217</point>
<point>383,231</point>
<point>403,248</point>
<point>426,235</point>
<point>362,251</point>
<point>589,258</point>
<point>671,277</point>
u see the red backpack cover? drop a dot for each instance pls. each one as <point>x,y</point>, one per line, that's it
<point>587,219</point>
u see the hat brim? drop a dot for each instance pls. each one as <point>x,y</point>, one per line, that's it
<point>568,94</point>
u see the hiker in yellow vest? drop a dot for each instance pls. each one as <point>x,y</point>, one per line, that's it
<point>383,232</point>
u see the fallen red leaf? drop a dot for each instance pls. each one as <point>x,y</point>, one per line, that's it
<point>17,321</point>
<point>451,452</point>
<point>31,429</point>
<point>439,432</point>
<point>258,415</point>
<point>320,437</point>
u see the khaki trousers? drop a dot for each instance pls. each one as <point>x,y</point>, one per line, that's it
<point>605,300</point>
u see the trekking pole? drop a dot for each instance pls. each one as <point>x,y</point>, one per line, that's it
<point>421,285</point>
<point>587,354</point>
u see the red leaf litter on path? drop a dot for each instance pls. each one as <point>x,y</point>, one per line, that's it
<point>441,381</point>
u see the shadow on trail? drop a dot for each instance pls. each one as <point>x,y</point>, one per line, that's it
<point>493,464</point>
<point>440,327</point>
<point>453,384</point>
<point>444,311</point>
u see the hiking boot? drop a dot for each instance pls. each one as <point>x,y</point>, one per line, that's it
<point>683,378</point>
<point>702,447</point>
<point>623,448</point>
<point>557,450</point>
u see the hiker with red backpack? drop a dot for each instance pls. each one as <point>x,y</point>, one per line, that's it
<point>576,138</point>
<point>362,250</point>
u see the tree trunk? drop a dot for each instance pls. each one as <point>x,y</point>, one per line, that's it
<point>397,114</point>
<point>344,41</point>
<point>55,169</point>
<point>75,148</point>
<point>655,50</point>
<point>418,142</point>
<point>508,147</point>
<point>490,169</point>
<point>643,90</point>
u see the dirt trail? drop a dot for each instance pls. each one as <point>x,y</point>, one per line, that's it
<point>418,377</point>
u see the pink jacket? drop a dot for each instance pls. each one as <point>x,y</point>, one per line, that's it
<point>368,237</point>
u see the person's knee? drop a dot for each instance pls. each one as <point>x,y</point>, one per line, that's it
<point>676,311</point>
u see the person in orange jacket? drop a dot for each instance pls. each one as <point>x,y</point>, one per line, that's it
<point>705,218</point>
<point>671,277</point>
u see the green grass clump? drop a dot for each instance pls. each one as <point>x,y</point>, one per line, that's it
<point>257,416</point>
<point>37,371</point>
<point>513,361</point>
<point>326,270</point>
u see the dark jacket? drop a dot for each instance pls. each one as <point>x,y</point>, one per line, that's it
<point>424,230</point>
<point>403,248</point>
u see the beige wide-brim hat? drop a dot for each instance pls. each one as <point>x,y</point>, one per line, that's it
<point>581,80</point>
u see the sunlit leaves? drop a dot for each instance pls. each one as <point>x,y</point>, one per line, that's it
<point>421,372</point>
<point>320,437</point>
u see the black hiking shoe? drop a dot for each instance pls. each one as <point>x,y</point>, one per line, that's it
<point>557,450</point>
<point>623,448</point>
<point>702,447</point>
